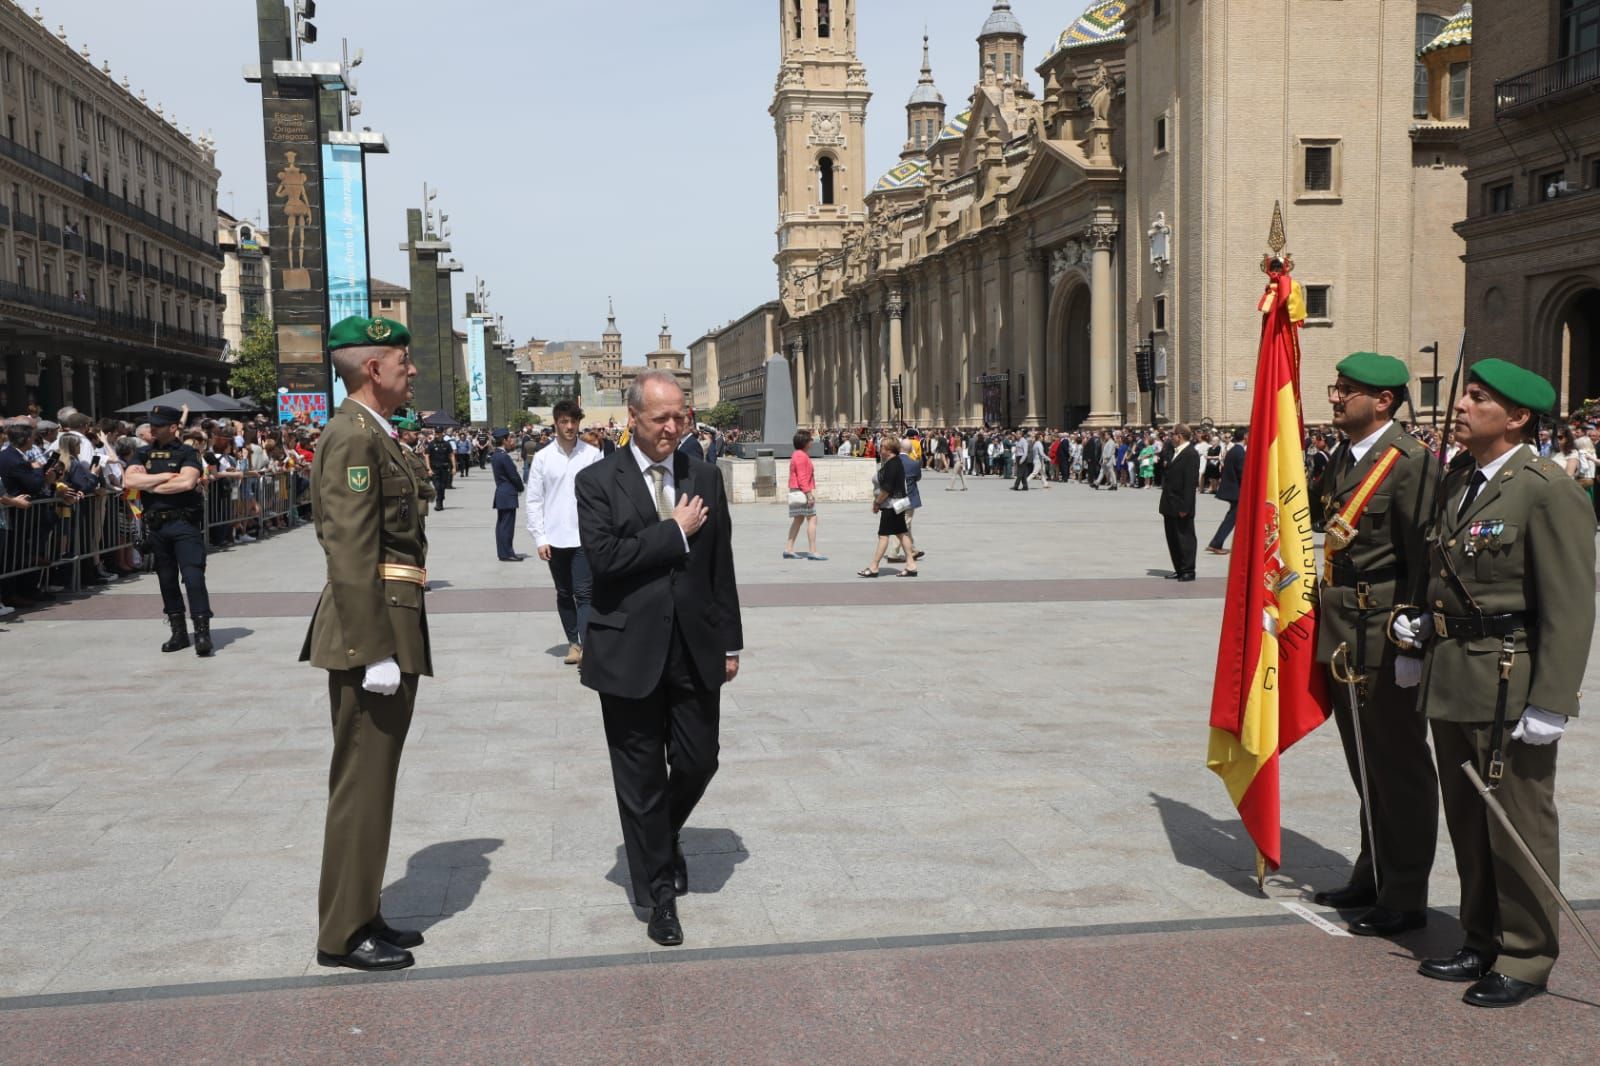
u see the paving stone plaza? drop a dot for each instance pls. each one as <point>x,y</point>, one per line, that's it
<point>964,818</point>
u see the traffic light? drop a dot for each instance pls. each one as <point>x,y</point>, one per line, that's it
<point>304,12</point>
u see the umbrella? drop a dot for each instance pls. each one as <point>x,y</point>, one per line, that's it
<point>197,404</point>
<point>440,420</point>
<point>222,402</point>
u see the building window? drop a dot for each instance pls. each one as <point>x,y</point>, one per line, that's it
<point>1317,304</point>
<point>1428,393</point>
<point>1456,107</point>
<point>1428,27</point>
<point>1319,169</point>
<point>1594,172</point>
<point>1550,185</point>
<point>1161,134</point>
<point>824,19</point>
<point>825,173</point>
<point>1580,26</point>
<point>1160,314</point>
<point>1320,163</point>
<point>1008,64</point>
<point>1155,9</point>
<point>385,305</point>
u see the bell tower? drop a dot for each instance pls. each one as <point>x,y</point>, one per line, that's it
<point>819,112</point>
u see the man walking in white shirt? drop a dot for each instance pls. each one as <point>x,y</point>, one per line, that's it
<point>553,521</point>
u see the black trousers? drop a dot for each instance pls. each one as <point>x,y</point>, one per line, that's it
<point>1023,470</point>
<point>180,549</point>
<point>505,529</point>
<point>441,481</point>
<point>663,755</point>
<point>1225,530</point>
<point>1181,542</point>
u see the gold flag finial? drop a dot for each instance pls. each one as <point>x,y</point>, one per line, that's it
<point>1277,239</point>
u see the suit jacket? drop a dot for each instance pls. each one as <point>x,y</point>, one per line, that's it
<point>1526,544</point>
<point>1392,533</point>
<point>913,476</point>
<point>1232,475</point>
<point>366,505</point>
<point>507,480</point>
<point>1181,482</point>
<point>644,581</point>
<point>18,475</point>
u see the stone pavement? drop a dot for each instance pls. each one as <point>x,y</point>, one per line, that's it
<point>1012,742</point>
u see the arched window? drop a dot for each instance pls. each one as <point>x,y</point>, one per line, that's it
<point>824,19</point>
<point>799,24</point>
<point>1428,27</point>
<point>825,173</point>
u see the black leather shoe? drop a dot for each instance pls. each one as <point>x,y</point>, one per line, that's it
<point>400,938</point>
<point>370,954</point>
<point>664,928</point>
<point>680,870</point>
<point>1464,965</point>
<point>1498,990</point>
<point>1185,577</point>
<point>1348,898</point>
<point>1381,921</point>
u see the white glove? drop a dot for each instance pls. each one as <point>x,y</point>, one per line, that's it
<point>383,677</point>
<point>1407,671</point>
<point>1539,726</point>
<point>1408,630</point>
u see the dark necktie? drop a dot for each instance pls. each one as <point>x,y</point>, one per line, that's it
<point>1478,482</point>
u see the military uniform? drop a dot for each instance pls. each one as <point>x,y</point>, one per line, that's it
<point>440,457</point>
<point>1511,576</point>
<point>176,524</point>
<point>365,496</point>
<point>1381,564</point>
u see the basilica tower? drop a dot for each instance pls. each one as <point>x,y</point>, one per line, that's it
<point>819,111</point>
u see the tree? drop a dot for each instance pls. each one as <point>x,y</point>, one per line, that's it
<point>463,407</point>
<point>255,372</point>
<point>722,416</point>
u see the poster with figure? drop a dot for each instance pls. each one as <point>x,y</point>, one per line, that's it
<point>344,211</point>
<point>477,371</point>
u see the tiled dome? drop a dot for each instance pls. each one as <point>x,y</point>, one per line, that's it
<point>912,174</point>
<point>1457,31</point>
<point>1098,25</point>
<point>1001,21</point>
<point>955,127</point>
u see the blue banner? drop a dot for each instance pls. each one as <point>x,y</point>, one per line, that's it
<point>477,367</point>
<point>344,205</point>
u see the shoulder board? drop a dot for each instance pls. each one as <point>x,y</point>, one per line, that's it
<point>1406,444</point>
<point>1547,468</point>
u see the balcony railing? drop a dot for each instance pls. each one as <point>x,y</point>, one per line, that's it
<point>10,290</point>
<point>24,223</point>
<point>118,260</point>
<point>136,265</point>
<point>128,327</point>
<point>72,242</point>
<point>52,234</point>
<point>1552,79</point>
<point>97,251</point>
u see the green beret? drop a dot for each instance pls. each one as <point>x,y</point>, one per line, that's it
<point>1522,387</point>
<point>1378,371</point>
<point>359,332</point>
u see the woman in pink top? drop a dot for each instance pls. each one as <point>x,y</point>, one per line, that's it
<point>802,500</point>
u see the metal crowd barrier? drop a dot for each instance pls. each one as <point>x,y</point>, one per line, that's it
<point>59,539</point>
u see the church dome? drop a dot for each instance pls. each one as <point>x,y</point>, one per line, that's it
<point>1100,24</point>
<point>912,174</point>
<point>925,94</point>
<point>1001,21</point>
<point>955,127</point>
<point>1456,32</point>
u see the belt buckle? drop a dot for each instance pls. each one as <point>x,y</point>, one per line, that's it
<point>1439,627</point>
<point>1338,533</point>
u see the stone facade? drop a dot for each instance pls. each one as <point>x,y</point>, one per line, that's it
<point>737,355</point>
<point>1533,204</point>
<point>840,479</point>
<point>1006,272</point>
<point>246,263</point>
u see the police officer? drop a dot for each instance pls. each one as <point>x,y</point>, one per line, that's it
<point>370,632</point>
<point>1507,624</point>
<point>168,475</point>
<point>1377,495</point>
<point>442,460</point>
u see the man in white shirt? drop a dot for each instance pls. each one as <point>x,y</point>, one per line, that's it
<point>553,520</point>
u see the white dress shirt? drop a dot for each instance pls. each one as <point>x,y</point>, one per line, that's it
<point>552,506</point>
<point>1360,448</point>
<point>1488,471</point>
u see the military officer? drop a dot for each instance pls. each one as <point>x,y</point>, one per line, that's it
<point>1507,622</point>
<point>168,475</point>
<point>442,460</point>
<point>1377,491</point>
<point>406,424</point>
<point>370,632</point>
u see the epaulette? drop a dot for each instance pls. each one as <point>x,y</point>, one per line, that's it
<point>1547,468</point>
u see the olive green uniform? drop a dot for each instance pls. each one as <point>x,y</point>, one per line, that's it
<point>366,503</point>
<point>1525,546</point>
<point>1388,555</point>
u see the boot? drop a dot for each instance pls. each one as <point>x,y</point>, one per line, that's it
<point>180,634</point>
<point>202,637</point>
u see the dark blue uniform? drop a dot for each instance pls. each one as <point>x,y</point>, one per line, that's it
<point>441,454</point>
<point>507,485</point>
<point>177,524</point>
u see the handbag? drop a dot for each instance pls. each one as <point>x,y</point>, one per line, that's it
<point>797,498</point>
<point>900,504</point>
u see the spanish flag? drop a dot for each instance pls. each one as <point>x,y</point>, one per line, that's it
<point>1269,691</point>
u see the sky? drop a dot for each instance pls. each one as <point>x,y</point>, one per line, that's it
<point>583,149</point>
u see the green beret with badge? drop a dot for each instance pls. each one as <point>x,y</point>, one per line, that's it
<point>1374,370</point>
<point>358,331</point>
<point>1522,387</point>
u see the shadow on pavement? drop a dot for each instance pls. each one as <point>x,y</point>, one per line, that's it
<point>222,638</point>
<point>1223,849</point>
<point>711,855</point>
<point>557,651</point>
<point>463,866</point>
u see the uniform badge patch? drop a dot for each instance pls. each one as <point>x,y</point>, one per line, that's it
<point>359,478</point>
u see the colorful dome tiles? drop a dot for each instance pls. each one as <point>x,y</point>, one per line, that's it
<point>1457,31</point>
<point>955,127</point>
<point>1098,25</point>
<point>912,174</point>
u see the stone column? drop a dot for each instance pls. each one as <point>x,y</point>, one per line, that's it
<point>896,306</point>
<point>52,383</point>
<point>1104,410</point>
<point>1038,310</point>
<point>802,389</point>
<point>16,367</point>
<point>85,397</point>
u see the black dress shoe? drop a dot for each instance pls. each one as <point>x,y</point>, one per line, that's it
<point>1185,577</point>
<point>664,928</point>
<point>1465,965</point>
<point>680,870</point>
<point>1381,921</point>
<point>1348,898</point>
<point>1498,990</point>
<point>400,938</point>
<point>370,954</point>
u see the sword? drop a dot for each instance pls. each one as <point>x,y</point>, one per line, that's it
<point>1353,680</point>
<point>1505,823</point>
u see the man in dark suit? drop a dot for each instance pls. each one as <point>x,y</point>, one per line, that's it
<point>664,633</point>
<point>507,487</point>
<point>1228,492</point>
<point>1178,490</point>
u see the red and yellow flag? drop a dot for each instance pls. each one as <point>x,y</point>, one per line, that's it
<point>1269,691</point>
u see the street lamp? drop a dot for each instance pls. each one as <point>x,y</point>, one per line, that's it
<point>1434,350</point>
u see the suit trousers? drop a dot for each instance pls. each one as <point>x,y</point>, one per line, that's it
<point>441,482</point>
<point>569,571</point>
<point>505,529</point>
<point>1225,530</point>
<point>1505,910</point>
<point>1401,782</point>
<point>663,755</point>
<point>1181,542</point>
<point>369,732</point>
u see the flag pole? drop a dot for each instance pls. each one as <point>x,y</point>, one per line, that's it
<point>1261,872</point>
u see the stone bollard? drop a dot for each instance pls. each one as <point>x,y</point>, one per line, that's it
<point>766,483</point>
